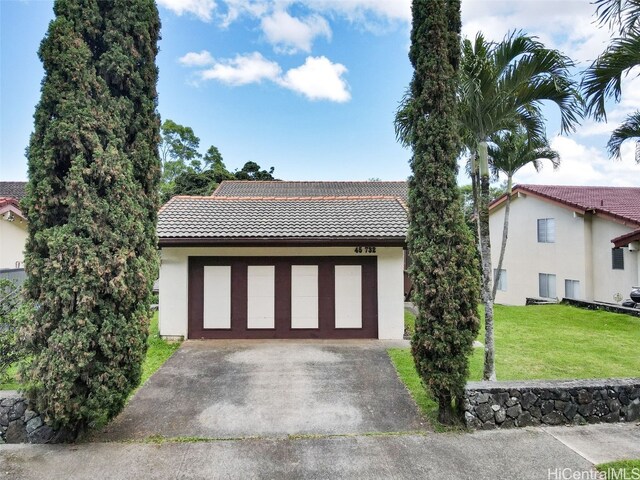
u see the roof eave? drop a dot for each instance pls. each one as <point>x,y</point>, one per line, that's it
<point>626,239</point>
<point>283,242</point>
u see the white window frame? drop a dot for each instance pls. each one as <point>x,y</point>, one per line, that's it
<point>502,281</point>
<point>546,230</point>
<point>549,285</point>
<point>575,288</point>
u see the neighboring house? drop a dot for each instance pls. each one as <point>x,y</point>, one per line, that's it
<point>284,260</point>
<point>574,242</point>
<point>13,226</point>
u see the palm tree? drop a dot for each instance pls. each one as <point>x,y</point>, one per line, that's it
<point>501,85</point>
<point>510,151</point>
<point>603,79</point>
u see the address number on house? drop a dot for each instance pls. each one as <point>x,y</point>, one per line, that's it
<point>365,250</point>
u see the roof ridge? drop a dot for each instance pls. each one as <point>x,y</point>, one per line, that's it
<point>281,198</point>
<point>313,181</point>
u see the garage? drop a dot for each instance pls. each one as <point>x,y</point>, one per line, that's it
<point>260,266</point>
<point>283,297</point>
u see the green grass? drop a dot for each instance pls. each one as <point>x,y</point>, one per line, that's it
<point>403,361</point>
<point>561,342</point>
<point>158,352</point>
<point>409,323</point>
<point>623,469</point>
<point>543,342</point>
<point>8,380</point>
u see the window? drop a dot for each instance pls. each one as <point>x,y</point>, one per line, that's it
<point>617,259</point>
<point>547,284</point>
<point>546,230</point>
<point>502,281</point>
<point>572,288</point>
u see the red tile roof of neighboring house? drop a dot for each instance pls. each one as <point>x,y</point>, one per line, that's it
<point>5,201</point>
<point>621,203</point>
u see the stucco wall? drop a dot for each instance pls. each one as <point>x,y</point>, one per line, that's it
<point>581,251</point>
<point>174,283</point>
<point>525,258</point>
<point>13,236</point>
<point>609,281</point>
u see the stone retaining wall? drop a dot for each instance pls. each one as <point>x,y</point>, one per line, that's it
<point>18,424</point>
<point>490,405</point>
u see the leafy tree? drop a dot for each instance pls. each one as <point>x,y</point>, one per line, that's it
<point>91,204</point>
<point>509,152</point>
<point>444,270</point>
<point>252,171</point>
<point>12,313</point>
<point>603,79</point>
<point>179,154</point>
<point>503,85</point>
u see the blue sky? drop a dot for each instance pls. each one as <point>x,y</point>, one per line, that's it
<point>309,87</point>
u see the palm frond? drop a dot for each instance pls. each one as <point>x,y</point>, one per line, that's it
<point>621,14</point>
<point>630,129</point>
<point>603,79</point>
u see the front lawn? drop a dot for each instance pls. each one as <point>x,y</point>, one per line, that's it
<point>550,342</point>
<point>158,352</point>
<point>623,469</point>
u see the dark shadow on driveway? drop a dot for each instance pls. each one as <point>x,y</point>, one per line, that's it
<point>229,389</point>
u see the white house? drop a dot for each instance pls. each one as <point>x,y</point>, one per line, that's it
<point>574,242</point>
<point>284,260</point>
<point>13,226</point>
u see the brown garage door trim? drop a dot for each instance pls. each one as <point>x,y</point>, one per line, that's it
<point>326,298</point>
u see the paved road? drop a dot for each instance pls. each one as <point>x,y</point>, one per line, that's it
<point>519,454</point>
<point>511,455</point>
<point>234,389</point>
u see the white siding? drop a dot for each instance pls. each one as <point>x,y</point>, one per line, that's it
<point>13,236</point>
<point>304,296</point>
<point>581,252</point>
<point>217,296</point>
<point>348,296</point>
<point>174,282</point>
<point>261,296</point>
<point>608,282</point>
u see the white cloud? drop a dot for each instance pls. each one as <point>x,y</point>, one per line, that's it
<point>584,165</point>
<point>318,79</point>
<point>203,9</point>
<point>368,13</point>
<point>290,35</point>
<point>242,70</point>
<point>194,59</point>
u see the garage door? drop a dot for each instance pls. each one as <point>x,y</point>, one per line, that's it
<point>283,297</point>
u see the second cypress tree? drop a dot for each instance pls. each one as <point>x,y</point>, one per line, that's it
<point>444,267</point>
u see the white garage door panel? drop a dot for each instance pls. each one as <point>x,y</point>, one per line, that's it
<point>304,296</point>
<point>348,296</point>
<point>217,297</point>
<point>260,296</point>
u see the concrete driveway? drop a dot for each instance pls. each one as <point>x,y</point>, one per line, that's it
<point>237,389</point>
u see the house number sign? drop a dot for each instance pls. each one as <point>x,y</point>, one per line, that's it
<point>365,250</point>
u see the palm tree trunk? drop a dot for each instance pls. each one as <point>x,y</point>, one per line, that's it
<point>485,256</point>
<point>505,234</point>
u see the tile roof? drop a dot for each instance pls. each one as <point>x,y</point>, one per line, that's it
<point>310,189</point>
<point>620,202</point>
<point>13,189</point>
<point>5,201</point>
<point>283,218</point>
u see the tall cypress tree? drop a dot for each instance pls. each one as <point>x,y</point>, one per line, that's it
<point>444,270</point>
<point>91,205</point>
